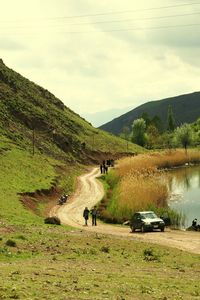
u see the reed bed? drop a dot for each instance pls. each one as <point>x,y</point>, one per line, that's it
<point>141,191</point>
<point>158,160</point>
<point>142,183</point>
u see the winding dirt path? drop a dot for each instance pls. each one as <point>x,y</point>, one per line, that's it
<point>90,191</point>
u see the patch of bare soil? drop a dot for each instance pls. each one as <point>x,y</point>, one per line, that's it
<point>90,191</point>
<point>48,197</point>
<point>7,229</point>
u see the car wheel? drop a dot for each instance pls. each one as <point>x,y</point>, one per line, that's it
<point>162,229</point>
<point>143,228</point>
<point>132,229</point>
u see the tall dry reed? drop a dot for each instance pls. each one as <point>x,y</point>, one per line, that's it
<point>143,184</point>
<point>158,160</point>
<point>142,192</point>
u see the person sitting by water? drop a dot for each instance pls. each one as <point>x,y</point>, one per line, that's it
<point>194,224</point>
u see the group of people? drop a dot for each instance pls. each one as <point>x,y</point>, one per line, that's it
<point>105,164</point>
<point>93,212</point>
<point>195,225</point>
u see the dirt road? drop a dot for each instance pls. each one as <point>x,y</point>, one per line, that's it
<point>90,191</point>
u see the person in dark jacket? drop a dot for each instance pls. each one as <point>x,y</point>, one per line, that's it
<point>194,224</point>
<point>86,215</point>
<point>94,216</point>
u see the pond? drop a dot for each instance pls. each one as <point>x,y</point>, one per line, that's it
<point>184,186</point>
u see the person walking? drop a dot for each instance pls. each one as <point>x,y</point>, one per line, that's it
<point>94,216</point>
<point>86,215</point>
<point>106,169</point>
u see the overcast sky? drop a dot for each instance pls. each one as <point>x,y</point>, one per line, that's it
<point>99,55</point>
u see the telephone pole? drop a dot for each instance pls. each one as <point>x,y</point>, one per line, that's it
<point>33,141</point>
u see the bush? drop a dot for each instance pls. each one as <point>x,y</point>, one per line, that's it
<point>11,243</point>
<point>149,255</point>
<point>52,220</point>
<point>105,249</point>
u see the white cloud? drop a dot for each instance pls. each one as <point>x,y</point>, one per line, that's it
<point>98,71</point>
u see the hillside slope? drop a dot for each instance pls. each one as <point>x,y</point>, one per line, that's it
<point>186,109</point>
<point>34,119</point>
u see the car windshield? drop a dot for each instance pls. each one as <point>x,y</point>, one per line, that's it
<point>149,215</point>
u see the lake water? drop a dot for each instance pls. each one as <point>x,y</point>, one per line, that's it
<point>184,186</point>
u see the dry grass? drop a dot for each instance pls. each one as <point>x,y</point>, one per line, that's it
<point>158,160</point>
<point>139,192</point>
<point>143,185</point>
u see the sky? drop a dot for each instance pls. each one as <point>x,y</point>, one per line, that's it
<point>104,57</point>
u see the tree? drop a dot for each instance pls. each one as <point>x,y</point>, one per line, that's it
<point>166,140</point>
<point>138,132</point>
<point>196,131</point>
<point>156,121</point>
<point>152,136</point>
<point>184,135</point>
<point>170,120</point>
<point>125,134</point>
<point>145,116</point>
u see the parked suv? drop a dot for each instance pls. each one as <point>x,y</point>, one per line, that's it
<point>146,220</point>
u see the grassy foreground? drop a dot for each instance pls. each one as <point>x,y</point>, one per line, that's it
<point>39,261</point>
<point>58,263</point>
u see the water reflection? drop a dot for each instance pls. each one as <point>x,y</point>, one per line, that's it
<point>184,186</point>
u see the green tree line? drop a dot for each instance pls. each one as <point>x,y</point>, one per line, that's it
<point>147,132</point>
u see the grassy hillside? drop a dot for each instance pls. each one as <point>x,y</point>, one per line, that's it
<point>31,115</point>
<point>186,109</point>
<point>43,146</point>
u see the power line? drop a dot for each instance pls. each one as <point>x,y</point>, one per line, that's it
<point>118,30</point>
<point>126,11</point>
<point>133,29</point>
<point>110,13</point>
<point>115,21</point>
<point>138,19</point>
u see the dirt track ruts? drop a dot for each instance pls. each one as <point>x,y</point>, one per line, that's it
<point>90,191</point>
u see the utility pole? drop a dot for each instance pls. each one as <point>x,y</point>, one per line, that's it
<point>93,143</point>
<point>33,141</point>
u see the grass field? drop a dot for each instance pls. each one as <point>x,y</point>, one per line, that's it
<point>59,263</point>
<point>39,261</point>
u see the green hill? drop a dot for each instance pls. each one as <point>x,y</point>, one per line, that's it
<point>186,109</point>
<point>30,116</point>
<point>43,146</point>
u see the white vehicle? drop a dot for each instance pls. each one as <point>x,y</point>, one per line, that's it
<point>146,221</point>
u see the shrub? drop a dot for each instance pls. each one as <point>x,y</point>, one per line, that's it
<point>52,220</point>
<point>150,255</point>
<point>11,243</point>
<point>105,249</point>
<point>21,237</point>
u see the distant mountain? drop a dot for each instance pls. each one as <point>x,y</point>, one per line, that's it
<point>101,117</point>
<point>32,117</point>
<point>186,109</point>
